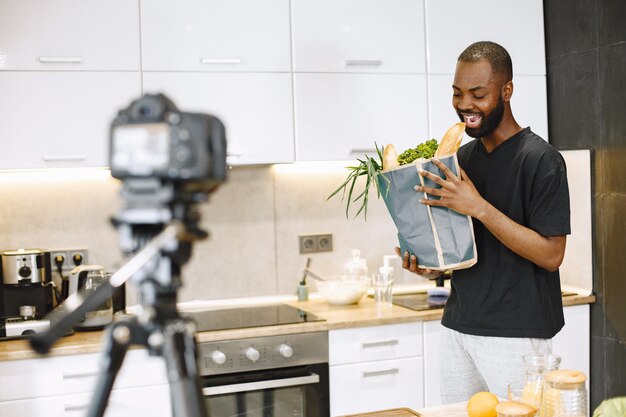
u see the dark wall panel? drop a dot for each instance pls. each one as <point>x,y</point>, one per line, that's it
<point>586,65</point>
<point>573,100</point>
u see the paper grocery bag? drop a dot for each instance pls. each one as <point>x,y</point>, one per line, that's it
<point>441,238</point>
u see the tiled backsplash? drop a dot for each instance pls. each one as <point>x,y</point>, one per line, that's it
<point>254,221</point>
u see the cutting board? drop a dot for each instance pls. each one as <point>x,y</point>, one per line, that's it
<point>392,412</point>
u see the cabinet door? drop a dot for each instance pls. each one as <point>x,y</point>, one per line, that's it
<point>341,116</point>
<point>432,394</point>
<point>151,401</point>
<point>516,25</point>
<point>529,104</point>
<point>69,35</point>
<point>359,35</point>
<point>256,110</point>
<point>364,387</point>
<point>573,341</point>
<point>364,344</point>
<point>61,119</point>
<point>60,375</point>
<point>215,35</point>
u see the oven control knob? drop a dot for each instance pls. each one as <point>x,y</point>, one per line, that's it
<point>285,351</point>
<point>252,354</point>
<point>218,357</point>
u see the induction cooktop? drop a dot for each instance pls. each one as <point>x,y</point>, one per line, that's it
<point>421,301</point>
<point>248,317</point>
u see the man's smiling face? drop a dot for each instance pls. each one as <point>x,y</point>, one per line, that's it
<point>478,97</point>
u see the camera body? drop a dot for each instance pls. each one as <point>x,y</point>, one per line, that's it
<point>152,139</point>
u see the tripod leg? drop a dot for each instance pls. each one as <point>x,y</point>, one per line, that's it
<point>179,352</point>
<point>115,348</point>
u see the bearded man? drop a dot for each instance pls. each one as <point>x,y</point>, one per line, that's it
<point>514,186</point>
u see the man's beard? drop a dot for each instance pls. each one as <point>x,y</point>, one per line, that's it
<point>490,121</point>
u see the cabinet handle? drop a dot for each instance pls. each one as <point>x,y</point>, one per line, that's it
<point>61,158</point>
<point>220,61</point>
<point>390,342</point>
<point>76,375</point>
<point>364,62</point>
<point>60,59</point>
<point>75,407</point>
<point>362,150</point>
<point>392,371</point>
<point>234,154</point>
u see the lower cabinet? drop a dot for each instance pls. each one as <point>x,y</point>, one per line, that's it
<point>151,401</point>
<point>375,368</point>
<point>63,385</point>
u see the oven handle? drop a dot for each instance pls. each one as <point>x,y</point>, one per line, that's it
<point>259,385</point>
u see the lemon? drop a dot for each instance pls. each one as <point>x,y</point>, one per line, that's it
<point>482,404</point>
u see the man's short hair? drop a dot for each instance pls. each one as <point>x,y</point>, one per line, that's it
<point>491,52</point>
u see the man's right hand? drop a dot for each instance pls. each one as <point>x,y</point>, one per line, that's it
<point>409,262</point>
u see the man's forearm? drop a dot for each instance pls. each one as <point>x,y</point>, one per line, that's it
<point>546,252</point>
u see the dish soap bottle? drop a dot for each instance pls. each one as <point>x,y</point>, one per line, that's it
<point>356,266</point>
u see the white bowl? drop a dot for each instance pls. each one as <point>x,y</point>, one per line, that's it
<point>342,289</point>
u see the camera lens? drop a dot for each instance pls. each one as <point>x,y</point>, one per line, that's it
<point>145,110</point>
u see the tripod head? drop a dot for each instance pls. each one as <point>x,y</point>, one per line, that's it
<point>169,162</point>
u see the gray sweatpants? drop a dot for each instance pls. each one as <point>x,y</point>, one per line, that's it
<point>470,364</point>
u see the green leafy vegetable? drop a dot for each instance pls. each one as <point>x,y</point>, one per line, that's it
<point>423,150</point>
<point>371,168</point>
<point>368,167</point>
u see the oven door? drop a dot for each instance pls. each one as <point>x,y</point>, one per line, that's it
<point>283,392</point>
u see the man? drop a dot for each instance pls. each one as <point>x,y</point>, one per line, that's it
<point>514,186</point>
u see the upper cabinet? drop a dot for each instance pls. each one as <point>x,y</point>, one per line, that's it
<point>215,35</point>
<point>60,119</point>
<point>515,24</point>
<point>358,36</point>
<point>69,35</point>
<point>342,116</point>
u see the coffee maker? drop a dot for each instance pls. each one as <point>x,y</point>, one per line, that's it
<point>26,291</point>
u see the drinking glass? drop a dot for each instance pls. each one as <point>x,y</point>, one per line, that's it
<point>524,392</point>
<point>383,286</point>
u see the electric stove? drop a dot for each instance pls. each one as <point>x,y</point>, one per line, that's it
<point>247,317</point>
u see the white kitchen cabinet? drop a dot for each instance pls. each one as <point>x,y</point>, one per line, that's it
<point>375,368</point>
<point>58,119</point>
<point>571,343</point>
<point>516,25</point>
<point>529,104</point>
<point>358,36</point>
<point>341,116</point>
<point>256,109</point>
<point>215,35</point>
<point>62,385</point>
<point>69,35</point>
<point>151,401</point>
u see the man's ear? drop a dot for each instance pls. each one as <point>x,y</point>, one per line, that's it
<point>507,91</point>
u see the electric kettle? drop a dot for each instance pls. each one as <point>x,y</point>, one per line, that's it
<point>86,279</point>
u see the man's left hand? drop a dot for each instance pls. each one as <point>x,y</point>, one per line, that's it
<point>456,193</point>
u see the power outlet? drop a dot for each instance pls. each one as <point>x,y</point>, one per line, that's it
<point>316,243</point>
<point>69,258</point>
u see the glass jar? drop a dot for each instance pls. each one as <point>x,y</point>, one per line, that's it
<point>537,367</point>
<point>515,409</point>
<point>564,394</point>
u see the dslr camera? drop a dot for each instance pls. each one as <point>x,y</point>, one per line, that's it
<point>152,139</point>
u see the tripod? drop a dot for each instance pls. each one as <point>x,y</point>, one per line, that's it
<point>159,327</point>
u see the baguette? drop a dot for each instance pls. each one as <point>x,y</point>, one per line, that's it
<point>390,157</point>
<point>451,141</point>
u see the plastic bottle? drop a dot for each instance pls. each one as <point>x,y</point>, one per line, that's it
<point>387,269</point>
<point>356,266</point>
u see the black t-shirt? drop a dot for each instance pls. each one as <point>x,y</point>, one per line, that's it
<point>504,294</point>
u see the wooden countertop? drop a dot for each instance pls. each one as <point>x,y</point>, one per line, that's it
<point>362,314</point>
<point>450,410</point>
